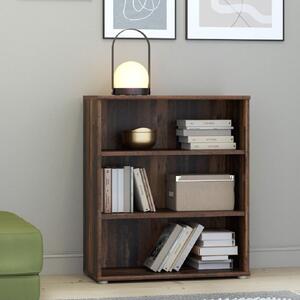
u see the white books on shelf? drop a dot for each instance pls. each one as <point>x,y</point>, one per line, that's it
<point>214,258</point>
<point>203,132</point>
<point>163,246</point>
<point>187,230</point>
<point>187,247</point>
<point>213,235</point>
<point>140,193</point>
<point>214,265</point>
<point>114,191</point>
<point>205,146</point>
<point>217,243</point>
<point>207,251</point>
<point>193,123</point>
<point>206,139</point>
<point>121,190</point>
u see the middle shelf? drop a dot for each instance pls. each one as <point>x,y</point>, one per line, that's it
<point>169,214</point>
<point>170,152</point>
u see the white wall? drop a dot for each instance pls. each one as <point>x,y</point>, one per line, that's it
<point>52,53</point>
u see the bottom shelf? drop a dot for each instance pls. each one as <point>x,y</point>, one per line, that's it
<point>141,274</point>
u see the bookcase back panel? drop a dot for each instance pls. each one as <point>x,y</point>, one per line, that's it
<point>118,116</point>
<point>158,169</point>
<point>128,243</point>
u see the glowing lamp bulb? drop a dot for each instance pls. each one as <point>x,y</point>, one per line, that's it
<point>131,75</point>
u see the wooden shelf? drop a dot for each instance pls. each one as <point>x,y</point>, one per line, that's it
<point>135,274</point>
<point>170,98</point>
<point>124,153</point>
<point>169,214</point>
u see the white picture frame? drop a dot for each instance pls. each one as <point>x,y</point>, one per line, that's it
<point>123,14</point>
<point>217,20</point>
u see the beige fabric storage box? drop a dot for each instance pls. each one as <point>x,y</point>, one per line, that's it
<point>200,192</point>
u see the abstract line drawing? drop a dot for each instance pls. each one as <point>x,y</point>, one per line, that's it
<point>261,20</point>
<point>240,9</point>
<point>142,9</point>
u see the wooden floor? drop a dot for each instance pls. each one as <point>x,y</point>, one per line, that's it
<point>78,287</point>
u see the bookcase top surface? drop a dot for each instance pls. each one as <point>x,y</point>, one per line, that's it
<point>171,97</point>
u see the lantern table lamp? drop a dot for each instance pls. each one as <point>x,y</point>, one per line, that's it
<point>131,78</point>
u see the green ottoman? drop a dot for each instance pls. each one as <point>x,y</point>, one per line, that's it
<point>21,258</point>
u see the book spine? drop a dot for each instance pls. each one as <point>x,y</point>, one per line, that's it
<point>206,139</point>
<point>204,132</point>
<point>127,191</point>
<point>204,123</point>
<point>204,146</point>
<point>131,190</point>
<point>141,198</point>
<point>146,189</point>
<point>149,192</point>
<point>181,240</point>
<point>217,243</point>
<point>202,251</point>
<point>120,190</point>
<point>107,191</point>
<point>114,190</point>
<point>188,247</point>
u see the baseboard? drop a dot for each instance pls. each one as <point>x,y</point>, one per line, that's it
<point>275,257</point>
<point>71,263</point>
<point>63,264</point>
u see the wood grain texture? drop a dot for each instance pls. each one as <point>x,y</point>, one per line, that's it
<point>116,245</point>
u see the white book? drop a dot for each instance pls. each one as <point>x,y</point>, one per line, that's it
<point>139,192</point>
<point>217,243</point>
<point>206,139</point>
<point>114,190</point>
<point>127,187</point>
<point>148,190</point>
<point>203,132</point>
<point>204,122</point>
<point>121,190</point>
<point>214,258</point>
<point>205,127</point>
<point>187,247</point>
<point>131,190</point>
<point>204,146</point>
<point>175,245</point>
<point>217,265</point>
<point>207,251</point>
<point>187,230</point>
<point>163,246</point>
<point>213,235</point>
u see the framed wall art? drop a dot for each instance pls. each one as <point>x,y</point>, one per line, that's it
<point>235,19</point>
<point>156,18</point>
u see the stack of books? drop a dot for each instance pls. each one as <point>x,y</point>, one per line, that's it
<point>205,134</point>
<point>213,250</point>
<point>173,247</point>
<point>127,189</point>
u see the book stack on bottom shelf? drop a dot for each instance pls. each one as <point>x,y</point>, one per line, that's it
<point>205,134</point>
<point>126,190</point>
<point>213,251</point>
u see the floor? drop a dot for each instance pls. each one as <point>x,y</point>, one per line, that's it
<point>78,287</point>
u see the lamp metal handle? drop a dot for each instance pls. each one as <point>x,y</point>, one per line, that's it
<point>113,54</point>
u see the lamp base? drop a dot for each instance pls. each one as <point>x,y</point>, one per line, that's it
<point>131,92</point>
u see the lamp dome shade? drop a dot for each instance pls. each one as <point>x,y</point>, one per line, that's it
<point>131,75</point>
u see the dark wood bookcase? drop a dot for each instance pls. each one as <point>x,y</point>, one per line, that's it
<point>116,245</point>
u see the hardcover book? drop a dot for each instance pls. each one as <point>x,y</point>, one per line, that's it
<point>163,246</point>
